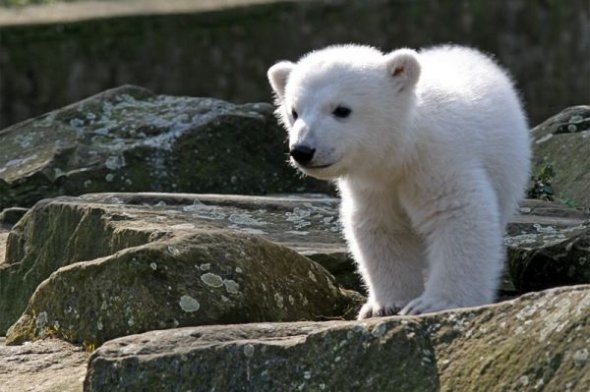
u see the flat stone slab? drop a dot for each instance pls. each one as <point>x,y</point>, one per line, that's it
<point>47,365</point>
<point>539,341</point>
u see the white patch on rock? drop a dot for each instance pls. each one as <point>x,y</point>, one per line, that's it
<point>544,138</point>
<point>231,286</point>
<point>379,330</point>
<point>200,210</point>
<point>189,304</point>
<point>249,350</point>
<point>154,266</point>
<point>296,232</point>
<point>299,217</point>
<point>580,357</point>
<point>245,219</point>
<point>557,319</point>
<point>312,276</point>
<point>115,162</point>
<point>183,226</point>
<point>173,251</point>
<point>41,320</point>
<point>212,280</point>
<point>279,300</point>
<point>248,230</point>
<point>205,267</point>
<point>20,162</point>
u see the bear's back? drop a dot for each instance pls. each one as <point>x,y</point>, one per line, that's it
<point>464,76</point>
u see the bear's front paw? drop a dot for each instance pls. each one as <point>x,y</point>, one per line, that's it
<point>427,304</point>
<point>371,309</point>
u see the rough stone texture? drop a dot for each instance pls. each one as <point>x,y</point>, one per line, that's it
<point>537,342</point>
<point>547,247</point>
<point>225,53</point>
<point>9,216</point>
<point>128,139</point>
<point>562,143</point>
<point>89,230</point>
<point>3,239</point>
<point>550,257</point>
<point>129,268</point>
<point>42,366</point>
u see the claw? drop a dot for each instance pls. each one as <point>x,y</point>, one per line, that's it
<point>372,310</point>
<point>427,304</point>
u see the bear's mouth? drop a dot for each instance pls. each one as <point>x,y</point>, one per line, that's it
<point>315,167</point>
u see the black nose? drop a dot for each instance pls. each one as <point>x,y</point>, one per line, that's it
<point>302,154</point>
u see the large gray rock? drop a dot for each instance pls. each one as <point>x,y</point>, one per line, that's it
<point>129,268</point>
<point>561,146</point>
<point>537,342</point>
<point>128,139</point>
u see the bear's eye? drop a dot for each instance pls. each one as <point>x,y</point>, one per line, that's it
<point>294,114</point>
<point>341,111</point>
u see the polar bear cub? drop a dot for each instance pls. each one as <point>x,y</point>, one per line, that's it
<point>430,152</point>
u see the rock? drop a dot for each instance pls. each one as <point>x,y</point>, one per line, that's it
<point>548,247</point>
<point>128,139</point>
<point>94,227</point>
<point>550,257</point>
<point>10,216</point>
<point>3,239</point>
<point>132,263</point>
<point>539,341</point>
<point>561,147</point>
<point>46,365</point>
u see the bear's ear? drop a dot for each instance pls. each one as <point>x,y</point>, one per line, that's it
<point>278,75</point>
<point>403,67</point>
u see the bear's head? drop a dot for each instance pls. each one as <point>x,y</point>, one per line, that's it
<point>347,108</point>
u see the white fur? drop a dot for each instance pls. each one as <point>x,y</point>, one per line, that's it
<point>430,164</point>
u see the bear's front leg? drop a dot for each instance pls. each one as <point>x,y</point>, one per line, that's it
<point>464,243</point>
<point>391,264</point>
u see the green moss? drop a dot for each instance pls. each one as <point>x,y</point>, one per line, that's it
<point>541,179</point>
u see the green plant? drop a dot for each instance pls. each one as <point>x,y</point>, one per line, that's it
<point>540,187</point>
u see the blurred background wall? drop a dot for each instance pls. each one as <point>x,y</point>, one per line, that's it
<point>225,53</point>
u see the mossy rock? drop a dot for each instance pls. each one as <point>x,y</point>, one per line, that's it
<point>537,341</point>
<point>561,149</point>
<point>128,139</point>
<point>116,247</point>
<point>550,257</point>
<point>208,277</point>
